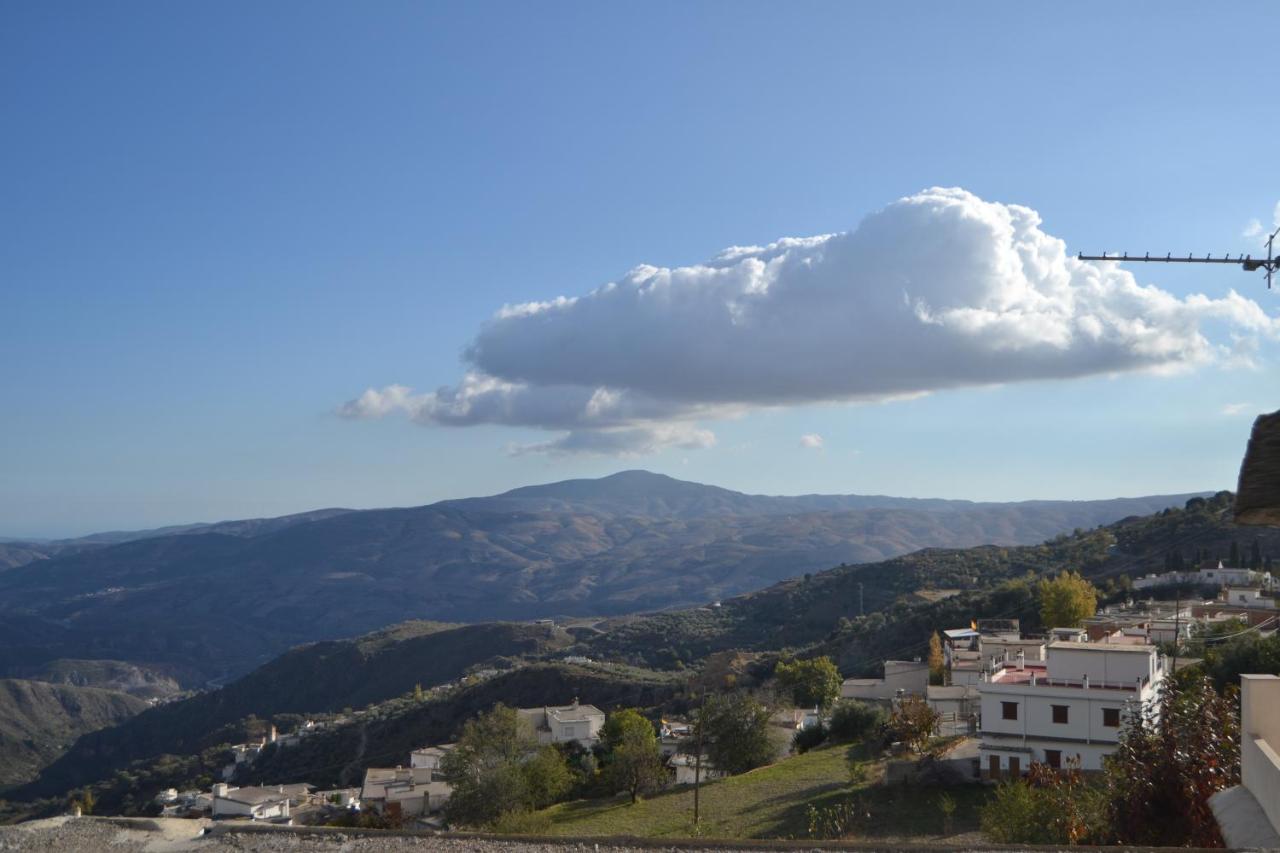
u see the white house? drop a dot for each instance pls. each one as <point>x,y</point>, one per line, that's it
<point>253,803</point>
<point>406,791</point>
<point>909,676</point>
<point>1249,814</point>
<point>686,768</point>
<point>1007,648</point>
<point>429,757</point>
<point>565,723</point>
<point>1247,596</point>
<point>1070,706</point>
<point>1221,576</point>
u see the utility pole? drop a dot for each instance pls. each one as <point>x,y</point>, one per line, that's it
<point>697,756</point>
<point>1248,263</point>
<point>862,611</point>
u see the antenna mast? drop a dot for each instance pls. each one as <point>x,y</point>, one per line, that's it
<point>1248,263</point>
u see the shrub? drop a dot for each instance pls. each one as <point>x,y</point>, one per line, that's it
<point>855,721</point>
<point>810,738</point>
<point>522,823</point>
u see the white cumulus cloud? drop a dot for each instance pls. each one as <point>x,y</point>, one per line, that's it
<point>811,441</point>
<point>1233,409</point>
<point>938,290</point>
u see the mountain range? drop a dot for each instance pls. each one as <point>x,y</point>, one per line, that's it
<point>206,602</point>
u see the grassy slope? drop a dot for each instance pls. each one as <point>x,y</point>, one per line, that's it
<point>771,802</point>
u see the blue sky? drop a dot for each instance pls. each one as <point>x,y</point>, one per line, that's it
<point>223,221</point>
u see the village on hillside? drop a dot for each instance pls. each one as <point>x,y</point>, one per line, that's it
<point>999,703</point>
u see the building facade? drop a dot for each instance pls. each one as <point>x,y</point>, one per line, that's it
<point>1071,706</point>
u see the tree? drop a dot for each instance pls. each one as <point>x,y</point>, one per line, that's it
<point>1048,807</point>
<point>812,682</point>
<point>913,722</point>
<point>937,662</point>
<point>1255,555</point>
<point>634,759</point>
<point>1233,558</point>
<point>1066,601</point>
<point>547,777</point>
<point>485,768</point>
<point>855,721</point>
<point>1171,759</point>
<point>735,732</point>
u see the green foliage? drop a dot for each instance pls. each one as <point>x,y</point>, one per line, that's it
<point>1066,600</point>
<point>947,807</point>
<point>1250,652</point>
<point>485,768</point>
<point>1170,760</point>
<point>521,823</point>
<point>634,759</point>
<point>812,682</point>
<point>809,738</point>
<point>736,733</point>
<point>853,721</point>
<point>840,820</point>
<point>1048,807</point>
<point>913,722</point>
<point>547,777</point>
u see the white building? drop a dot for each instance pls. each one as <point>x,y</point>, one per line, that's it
<point>565,723</point>
<point>1247,596</point>
<point>429,757</point>
<point>686,768</point>
<point>253,803</point>
<point>1249,814</point>
<point>404,791</point>
<point>911,677</point>
<point>1070,706</point>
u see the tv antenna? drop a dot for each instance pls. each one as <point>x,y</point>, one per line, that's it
<point>1247,262</point>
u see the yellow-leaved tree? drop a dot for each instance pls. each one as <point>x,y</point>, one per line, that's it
<point>1066,601</point>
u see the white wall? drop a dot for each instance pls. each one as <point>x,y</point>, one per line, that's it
<point>1260,741</point>
<point>1122,665</point>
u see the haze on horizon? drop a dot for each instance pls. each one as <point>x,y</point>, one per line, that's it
<point>400,254</point>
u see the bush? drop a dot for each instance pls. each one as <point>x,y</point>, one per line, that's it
<point>855,721</point>
<point>810,738</point>
<point>522,823</point>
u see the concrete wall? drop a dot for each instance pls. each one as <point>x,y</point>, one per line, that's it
<point>1260,740</point>
<point>1123,665</point>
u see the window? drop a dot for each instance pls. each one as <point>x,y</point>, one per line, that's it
<point>1053,757</point>
<point>1111,717</point>
<point>569,731</point>
<point>1059,713</point>
<point>1009,710</point>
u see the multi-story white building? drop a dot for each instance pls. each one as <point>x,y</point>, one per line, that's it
<point>1070,706</point>
<point>565,723</point>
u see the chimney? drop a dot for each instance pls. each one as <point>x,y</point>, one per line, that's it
<point>1022,660</point>
<point>1084,681</point>
<point>220,789</point>
<point>1033,678</point>
<point>575,703</point>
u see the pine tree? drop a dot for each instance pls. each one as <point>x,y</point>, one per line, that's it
<point>1255,555</point>
<point>1234,562</point>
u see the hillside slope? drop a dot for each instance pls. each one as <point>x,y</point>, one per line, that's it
<point>631,542</point>
<point>39,721</point>
<point>323,677</point>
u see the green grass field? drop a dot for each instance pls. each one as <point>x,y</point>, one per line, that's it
<point>772,802</point>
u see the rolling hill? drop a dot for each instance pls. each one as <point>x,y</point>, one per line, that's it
<point>38,721</point>
<point>215,601</point>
